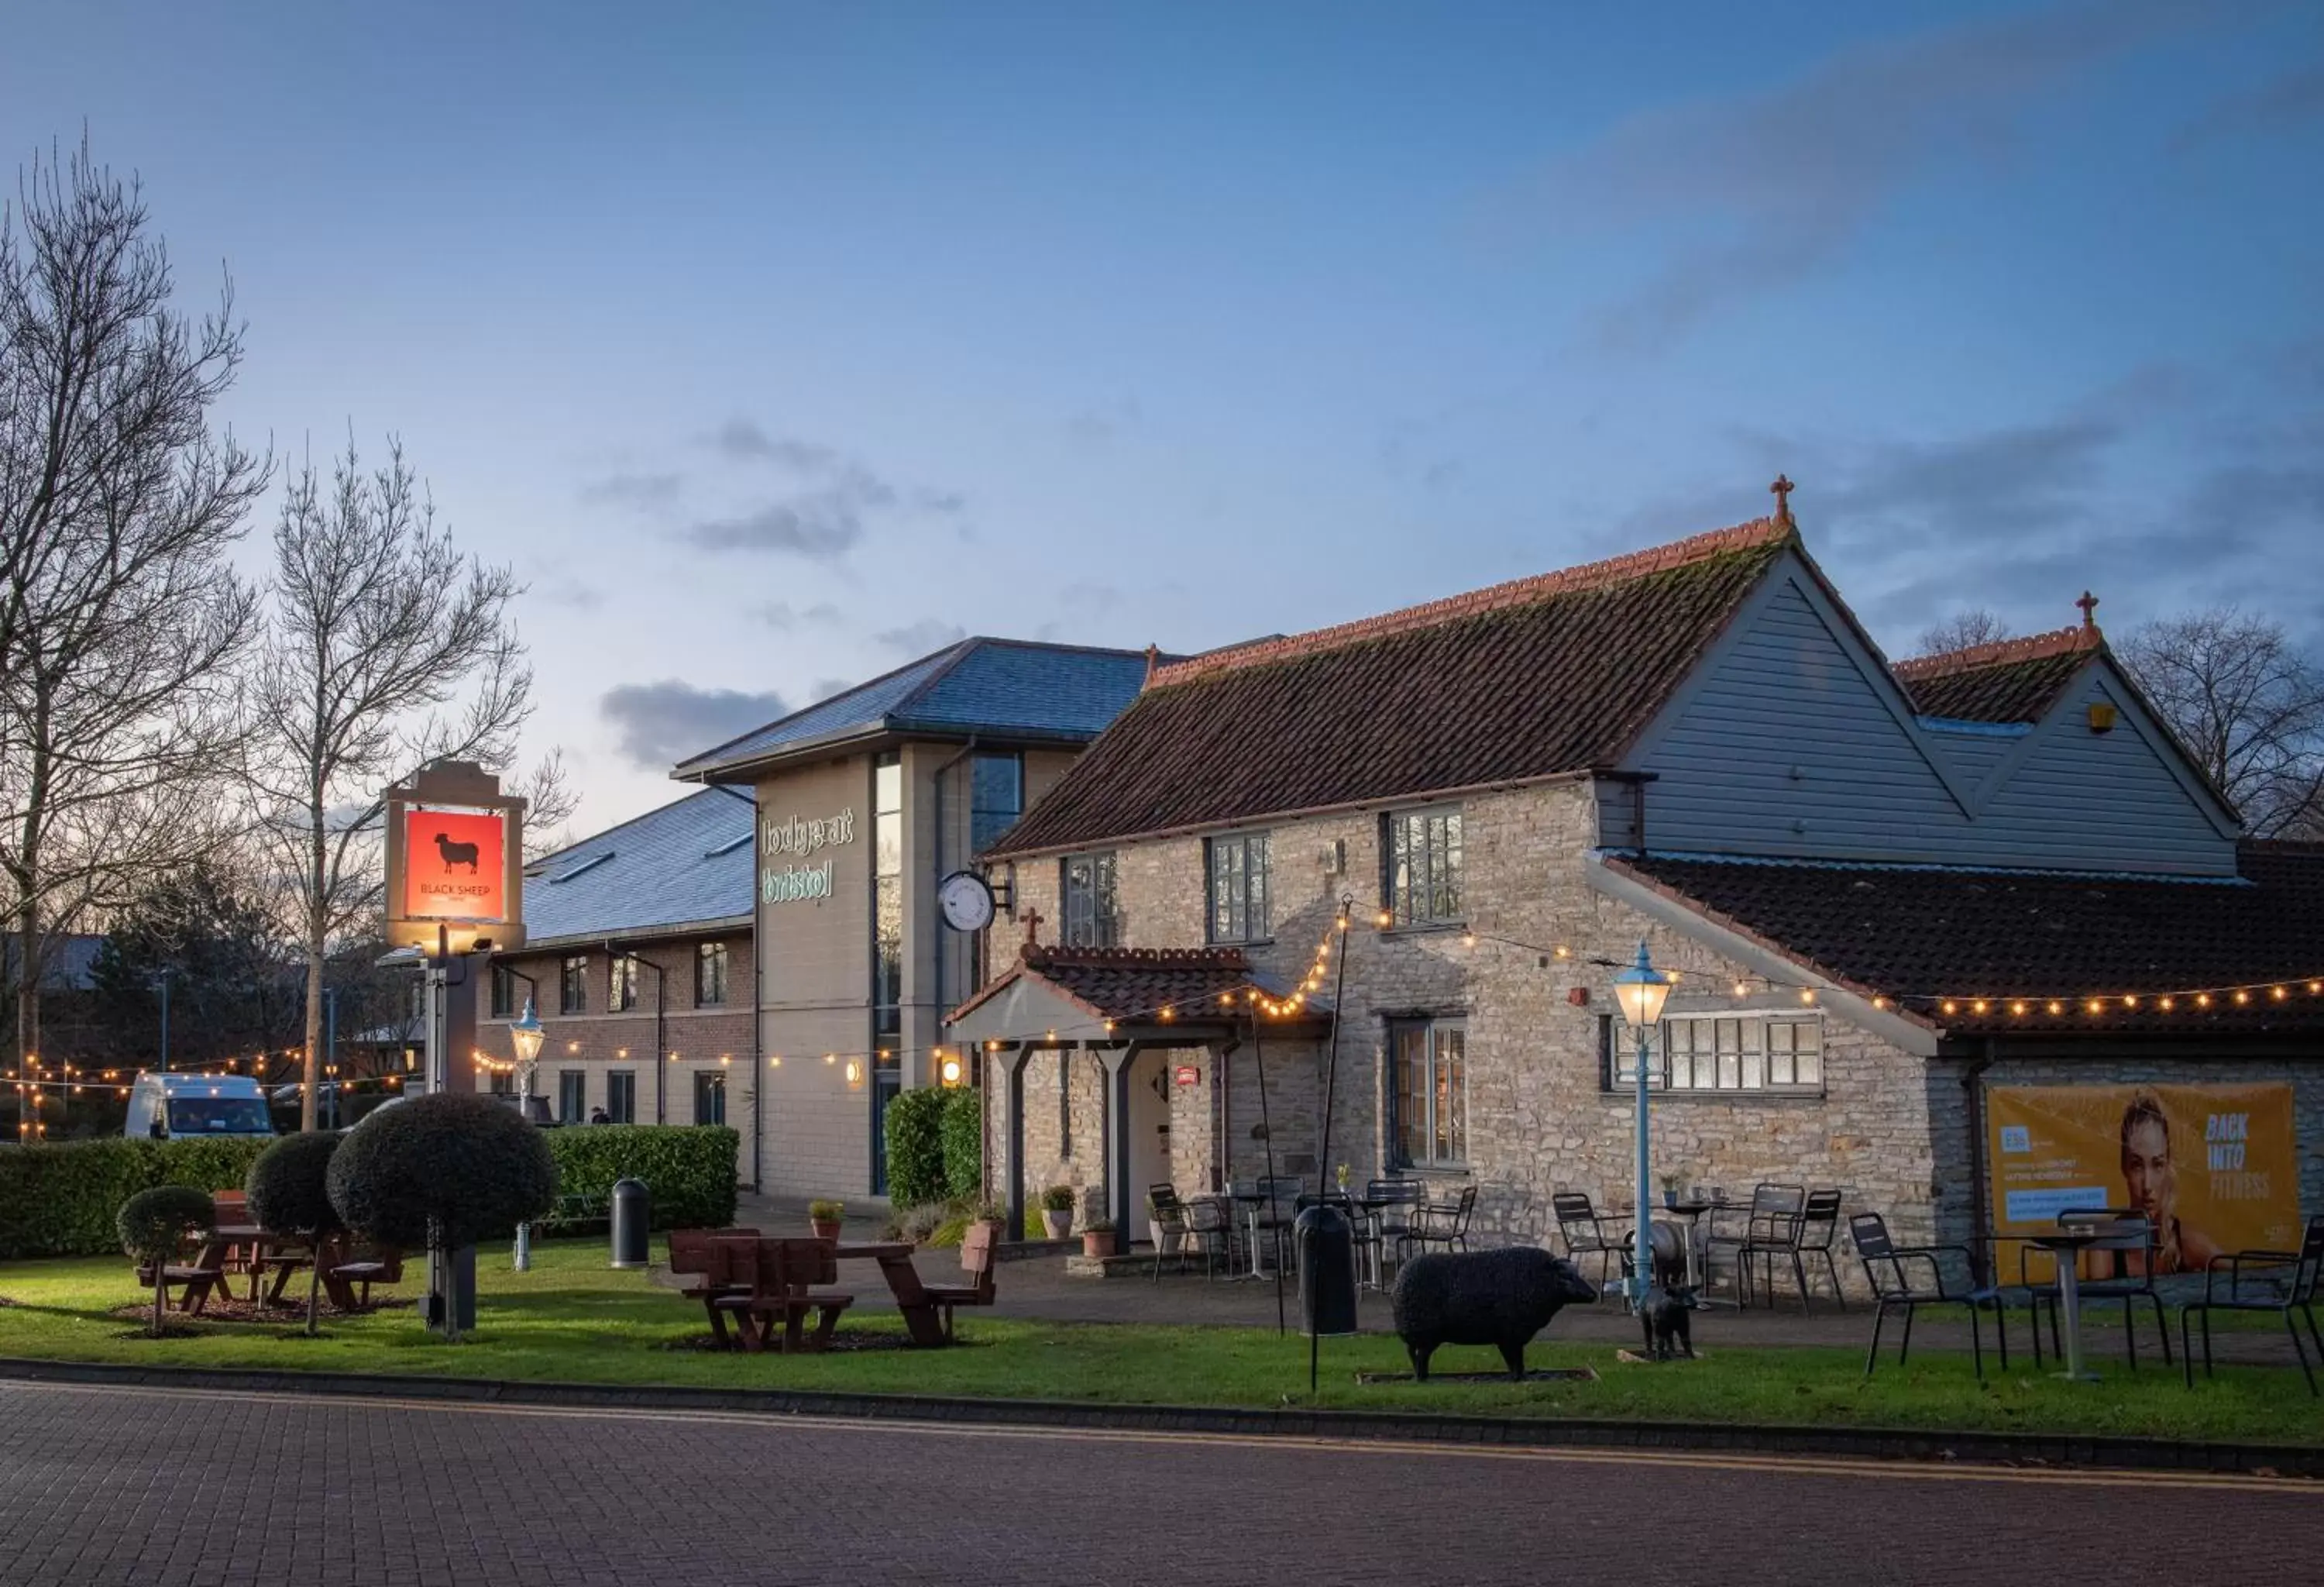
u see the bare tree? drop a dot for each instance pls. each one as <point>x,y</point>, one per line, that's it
<point>386,649</point>
<point>2249,705</point>
<point>119,612</point>
<point>1961,631</point>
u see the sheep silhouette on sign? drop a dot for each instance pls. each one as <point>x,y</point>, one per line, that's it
<point>456,853</point>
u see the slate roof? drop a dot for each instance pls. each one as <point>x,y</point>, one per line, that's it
<point>1138,983</point>
<point>1922,936</point>
<point>1014,688</point>
<point>686,863</point>
<point>2010,680</point>
<point>1538,677</point>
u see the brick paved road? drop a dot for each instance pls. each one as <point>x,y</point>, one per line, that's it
<point>164,1488</point>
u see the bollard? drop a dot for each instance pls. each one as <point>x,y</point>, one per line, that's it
<point>632,1214</point>
<point>1327,1272</point>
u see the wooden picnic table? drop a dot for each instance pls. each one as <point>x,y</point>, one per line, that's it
<point>921,1321</point>
<point>262,1246</point>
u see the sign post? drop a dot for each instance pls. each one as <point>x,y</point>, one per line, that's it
<point>455,891</point>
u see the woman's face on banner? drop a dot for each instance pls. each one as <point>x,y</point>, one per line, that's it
<point>2146,1169</point>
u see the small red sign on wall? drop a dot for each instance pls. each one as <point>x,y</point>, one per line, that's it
<point>1189,1075</point>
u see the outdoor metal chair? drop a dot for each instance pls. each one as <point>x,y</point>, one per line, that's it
<point>2280,1281</point>
<point>1907,1277</point>
<point>1271,1219</point>
<point>1770,1230</point>
<point>1586,1233</point>
<point>1170,1226</point>
<point>2123,1235</point>
<point>1397,1202</point>
<point>1810,1228</point>
<point>1210,1228</point>
<point>1441,1223</point>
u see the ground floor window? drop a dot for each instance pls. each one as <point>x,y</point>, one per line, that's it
<point>572,1095</point>
<point>1428,1090</point>
<point>621,1095</point>
<point>502,1082</point>
<point>1721,1052</point>
<point>709,1096</point>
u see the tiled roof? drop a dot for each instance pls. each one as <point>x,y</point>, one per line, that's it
<point>1925,935</point>
<point>2010,680</point>
<point>1128,983</point>
<point>1527,679</point>
<point>1138,983</point>
<point>683,864</point>
<point>997,686</point>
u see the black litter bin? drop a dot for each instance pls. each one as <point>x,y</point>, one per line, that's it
<point>632,1216</point>
<point>1326,1244</point>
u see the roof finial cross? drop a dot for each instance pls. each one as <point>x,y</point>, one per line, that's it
<point>1783,488</point>
<point>2090,606</point>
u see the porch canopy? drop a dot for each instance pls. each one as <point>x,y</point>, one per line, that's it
<point>1117,1003</point>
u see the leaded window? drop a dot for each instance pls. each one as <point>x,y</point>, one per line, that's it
<point>1093,902</point>
<point>1422,882</point>
<point>1238,888</point>
<point>1429,1092</point>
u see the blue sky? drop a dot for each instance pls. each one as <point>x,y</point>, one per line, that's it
<point>777,344</point>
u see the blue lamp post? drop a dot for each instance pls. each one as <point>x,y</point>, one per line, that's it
<point>1641,989</point>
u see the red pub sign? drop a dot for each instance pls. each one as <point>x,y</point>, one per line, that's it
<point>455,857</point>
<point>453,865</point>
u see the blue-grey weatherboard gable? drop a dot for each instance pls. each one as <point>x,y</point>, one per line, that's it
<point>1792,739</point>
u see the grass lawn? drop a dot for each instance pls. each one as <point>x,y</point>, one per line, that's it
<point>573,1320</point>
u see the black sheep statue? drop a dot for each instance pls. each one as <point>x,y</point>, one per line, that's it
<point>1498,1297</point>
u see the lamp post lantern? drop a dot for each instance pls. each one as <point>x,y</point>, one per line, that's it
<point>1641,989</point>
<point>525,1035</point>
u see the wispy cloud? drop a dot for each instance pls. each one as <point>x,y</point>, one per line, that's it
<point>784,617</point>
<point>660,724</point>
<point>1754,192</point>
<point>2276,105</point>
<point>634,490</point>
<point>744,441</point>
<point>918,639</point>
<point>564,590</point>
<point>822,525</point>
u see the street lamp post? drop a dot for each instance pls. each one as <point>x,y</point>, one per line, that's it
<point>525,1034</point>
<point>1641,989</point>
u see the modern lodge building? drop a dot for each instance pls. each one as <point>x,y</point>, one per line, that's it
<point>1903,900</point>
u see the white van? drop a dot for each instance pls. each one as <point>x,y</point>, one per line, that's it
<point>184,1106</point>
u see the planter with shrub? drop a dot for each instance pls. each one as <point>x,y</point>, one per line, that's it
<point>825,1217</point>
<point>153,1226</point>
<point>1057,1211</point>
<point>1097,1238</point>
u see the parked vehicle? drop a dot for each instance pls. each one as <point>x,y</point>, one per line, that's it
<point>166,1107</point>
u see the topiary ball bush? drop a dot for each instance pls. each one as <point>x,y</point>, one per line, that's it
<point>153,1223</point>
<point>289,1185</point>
<point>463,1167</point>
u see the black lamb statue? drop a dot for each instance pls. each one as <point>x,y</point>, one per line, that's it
<point>1498,1297</point>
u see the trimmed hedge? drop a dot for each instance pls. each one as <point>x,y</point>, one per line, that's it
<point>963,1143</point>
<point>688,1169</point>
<point>914,1123</point>
<point>61,1199</point>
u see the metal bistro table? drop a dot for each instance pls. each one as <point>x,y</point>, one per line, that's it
<point>2066,1245</point>
<point>1693,1211</point>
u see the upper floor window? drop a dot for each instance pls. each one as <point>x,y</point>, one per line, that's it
<point>1428,1092</point>
<point>573,984</point>
<point>1421,884</point>
<point>709,974</point>
<point>1238,888</point>
<point>888,895</point>
<point>1093,902</point>
<point>623,994</point>
<point>1723,1052</point>
<point>996,797</point>
<point>504,992</point>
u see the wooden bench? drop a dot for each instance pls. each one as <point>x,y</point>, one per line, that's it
<point>362,1268</point>
<point>702,1255</point>
<point>976,1254</point>
<point>783,1276</point>
<point>193,1281</point>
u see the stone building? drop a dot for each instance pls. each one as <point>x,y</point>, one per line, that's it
<point>1892,894</point>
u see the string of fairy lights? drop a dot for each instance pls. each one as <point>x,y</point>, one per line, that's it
<point>33,1085</point>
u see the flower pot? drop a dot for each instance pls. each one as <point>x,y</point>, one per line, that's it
<point>1057,1224</point>
<point>1670,1198</point>
<point>1097,1242</point>
<point>825,1230</point>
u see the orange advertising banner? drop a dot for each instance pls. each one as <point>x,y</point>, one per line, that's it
<point>2213,1166</point>
<point>452,865</point>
